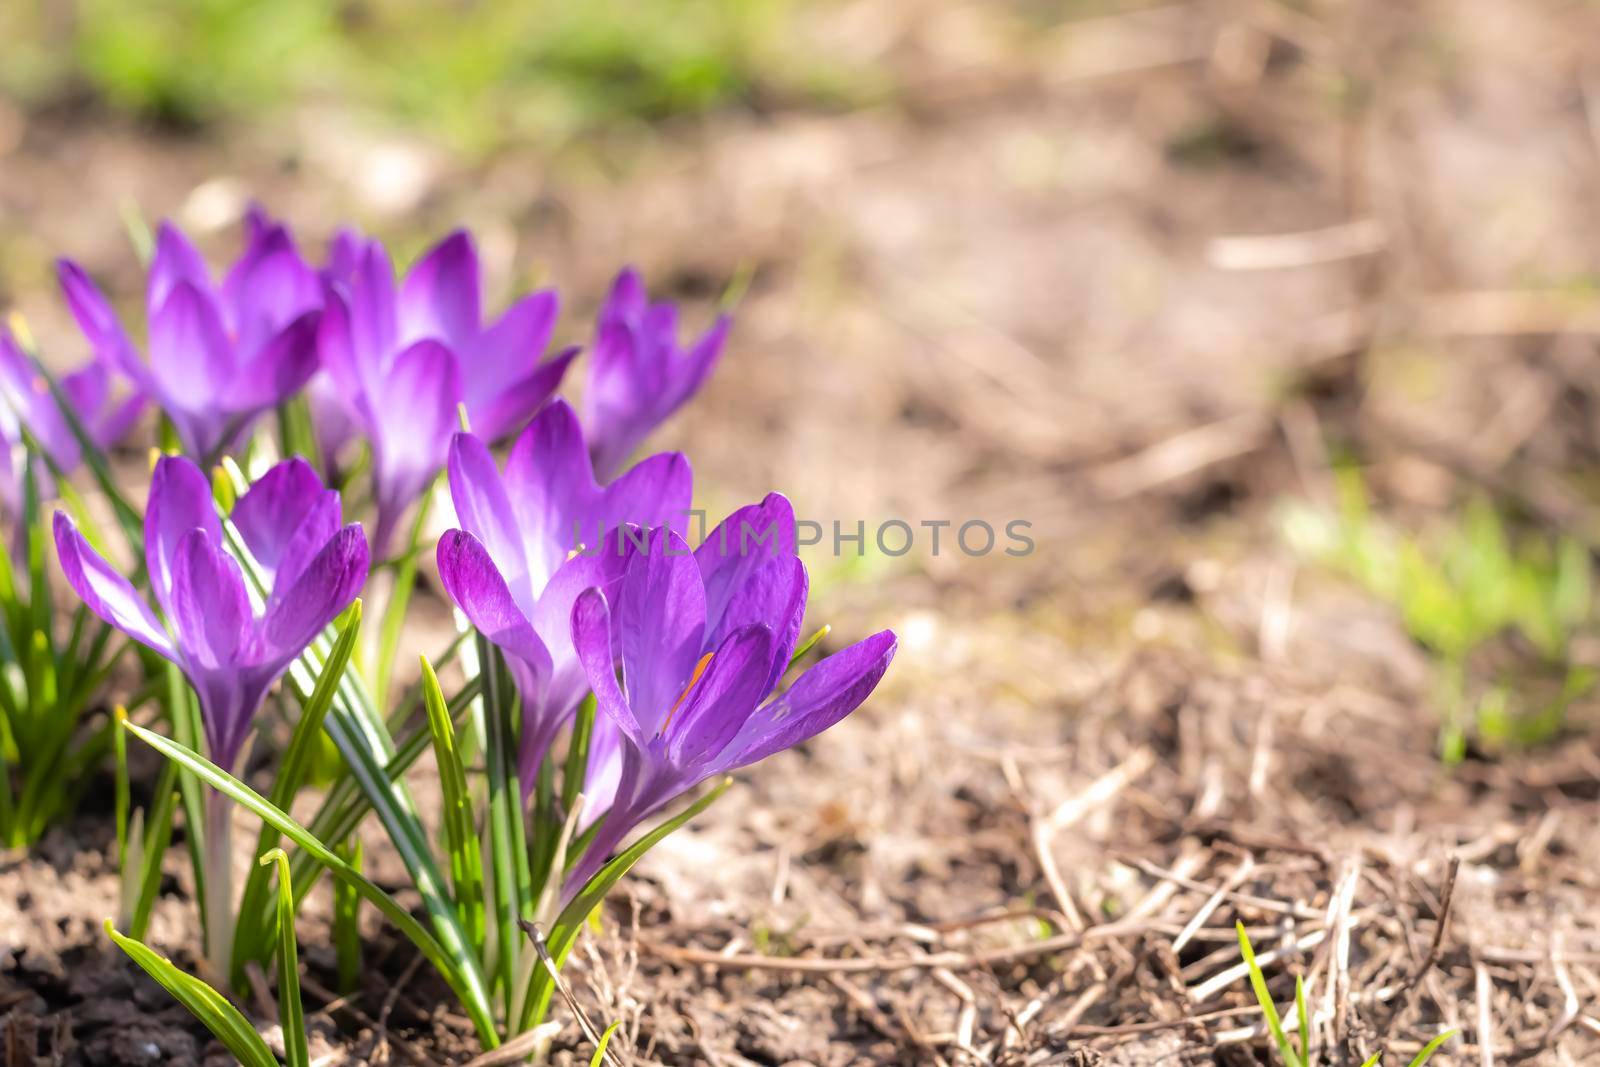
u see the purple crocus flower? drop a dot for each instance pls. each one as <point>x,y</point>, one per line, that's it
<point>405,361</point>
<point>231,648</point>
<point>513,569</point>
<point>686,714</point>
<point>638,375</point>
<point>750,546</point>
<point>219,355</point>
<point>26,402</point>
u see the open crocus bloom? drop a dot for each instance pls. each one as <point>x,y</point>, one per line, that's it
<point>26,402</point>
<point>748,555</point>
<point>230,646</point>
<point>404,361</point>
<point>535,537</point>
<point>700,654</point>
<point>638,375</point>
<point>219,355</point>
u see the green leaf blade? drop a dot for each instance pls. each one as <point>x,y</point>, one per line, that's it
<point>291,1011</point>
<point>204,1003</point>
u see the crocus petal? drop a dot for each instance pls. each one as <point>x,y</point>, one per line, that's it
<point>663,610</point>
<point>175,261</point>
<point>604,773</point>
<point>626,300</point>
<point>268,287</point>
<point>344,255</point>
<point>775,595</point>
<point>281,506</point>
<point>476,585</point>
<point>507,352</point>
<point>563,685</point>
<point>440,296</point>
<point>229,700</point>
<point>258,224</point>
<point>333,418</point>
<point>692,370</point>
<point>418,414</point>
<point>336,350</point>
<point>210,608</point>
<point>551,488</point>
<point>190,354</point>
<point>374,314</point>
<point>739,546</point>
<point>105,592</point>
<point>26,398</point>
<point>114,425</point>
<point>279,368</point>
<point>658,328</point>
<point>319,525</point>
<point>656,491</point>
<point>496,416</point>
<point>552,616</point>
<point>714,709</point>
<point>819,698</point>
<point>484,510</point>
<point>591,636</point>
<point>180,501</point>
<point>98,321</point>
<point>615,401</point>
<point>87,389</point>
<point>324,588</point>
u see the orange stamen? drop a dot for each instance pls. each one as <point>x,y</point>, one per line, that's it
<point>699,669</point>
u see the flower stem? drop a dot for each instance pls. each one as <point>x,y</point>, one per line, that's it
<point>219,885</point>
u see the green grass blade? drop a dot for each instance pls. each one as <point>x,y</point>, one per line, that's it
<point>460,828</point>
<point>291,1011</point>
<point>458,977</point>
<point>137,229</point>
<point>203,1002</point>
<point>1258,982</point>
<point>184,718</point>
<point>570,922</point>
<point>253,937</point>
<point>1431,1047</point>
<point>810,643</point>
<point>295,435</point>
<point>1372,1060</point>
<point>577,764</point>
<point>157,837</point>
<point>347,923</point>
<point>599,1056</point>
<point>512,897</point>
<point>120,748</point>
<point>394,613</point>
<point>346,805</point>
<point>1303,1018</point>
<point>360,733</point>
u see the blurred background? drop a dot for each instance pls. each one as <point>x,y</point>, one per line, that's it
<point>1276,319</point>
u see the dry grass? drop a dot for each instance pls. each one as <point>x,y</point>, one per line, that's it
<point>1130,278</point>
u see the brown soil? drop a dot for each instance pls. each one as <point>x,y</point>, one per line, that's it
<point>1002,296</point>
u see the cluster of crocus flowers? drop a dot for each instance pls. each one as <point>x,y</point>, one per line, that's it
<point>390,361</point>
<point>219,355</point>
<point>571,563</point>
<point>401,363</point>
<point>519,562</point>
